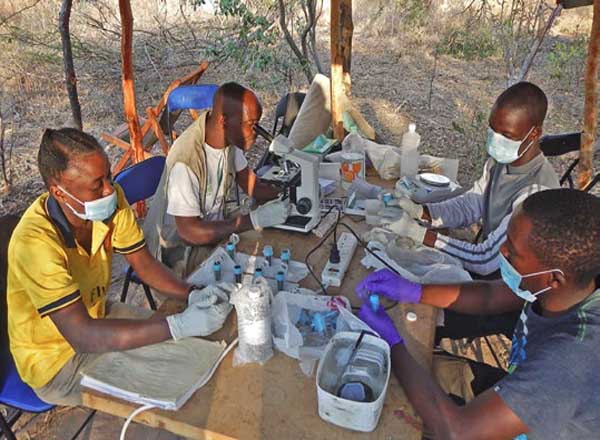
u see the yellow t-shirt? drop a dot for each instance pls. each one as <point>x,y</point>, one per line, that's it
<point>48,270</point>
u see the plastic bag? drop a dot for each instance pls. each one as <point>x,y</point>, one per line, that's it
<point>418,264</point>
<point>290,334</point>
<point>252,304</point>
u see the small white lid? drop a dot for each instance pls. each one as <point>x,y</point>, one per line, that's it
<point>411,316</point>
<point>412,127</point>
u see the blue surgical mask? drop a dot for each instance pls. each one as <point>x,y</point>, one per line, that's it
<point>96,210</point>
<point>513,279</point>
<point>503,149</point>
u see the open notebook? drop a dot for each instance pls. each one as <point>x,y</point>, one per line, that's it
<point>164,375</point>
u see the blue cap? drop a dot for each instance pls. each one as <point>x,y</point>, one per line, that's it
<point>237,269</point>
<point>268,251</point>
<point>230,246</point>
<point>285,254</point>
<point>217,265</point>
<point>280,276</point>
<point>258,271</point>
<point>374,301</point>
<point>387,197</point>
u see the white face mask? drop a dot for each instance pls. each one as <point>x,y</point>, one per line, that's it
<point>95,210</point>
<point>503,149</point>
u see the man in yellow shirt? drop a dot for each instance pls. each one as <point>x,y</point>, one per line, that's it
<point>59,271</point>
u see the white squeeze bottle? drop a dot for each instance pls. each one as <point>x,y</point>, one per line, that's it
<point>409,161</point>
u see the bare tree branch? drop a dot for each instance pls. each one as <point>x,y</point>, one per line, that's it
<point>11,16</point>
<point>290,40</point>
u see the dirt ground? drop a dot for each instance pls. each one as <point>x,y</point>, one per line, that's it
<point>392,85</point>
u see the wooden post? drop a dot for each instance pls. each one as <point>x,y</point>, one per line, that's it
<point>127,78</point>
<point>128,86</point>
<point>337,70</point>
<point>347,31</point>
<point>586,151</point>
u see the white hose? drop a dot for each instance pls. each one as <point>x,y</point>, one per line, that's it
<point>211,372</point>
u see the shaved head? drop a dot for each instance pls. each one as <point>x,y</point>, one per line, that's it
<point>239,110</point>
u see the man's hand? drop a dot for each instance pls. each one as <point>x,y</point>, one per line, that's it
<point>391,285</point>
<point>205,314</point>
<point>408,227</point>
<point>381,323</point>
<point>272,213</point>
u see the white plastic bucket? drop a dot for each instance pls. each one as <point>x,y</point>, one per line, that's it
<point>358,416</point>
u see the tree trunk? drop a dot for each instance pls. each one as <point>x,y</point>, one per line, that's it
<point>128,86</point>
<point>586,151</point>
<point>70,78</point>
<point>128,80</point>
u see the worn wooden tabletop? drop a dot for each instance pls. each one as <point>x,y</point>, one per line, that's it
<point>276,400</point>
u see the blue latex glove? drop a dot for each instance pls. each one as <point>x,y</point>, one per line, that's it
<point>391,285</point>
<point>381,323</point>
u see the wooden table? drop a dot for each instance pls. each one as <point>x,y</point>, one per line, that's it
<point>277,401</point>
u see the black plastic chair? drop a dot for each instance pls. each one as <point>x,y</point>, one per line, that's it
<point>553,145</point>
<point>287,108</point>
<point>139,182</point>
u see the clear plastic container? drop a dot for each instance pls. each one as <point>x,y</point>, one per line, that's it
<point>409,160</point>
<point>253,307</point>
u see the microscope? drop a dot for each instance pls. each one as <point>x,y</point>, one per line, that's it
<point>298,175</point>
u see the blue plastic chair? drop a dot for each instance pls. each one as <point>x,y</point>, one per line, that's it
<point>195,97</point>
<point>139,182</point>
<point>18,395</point>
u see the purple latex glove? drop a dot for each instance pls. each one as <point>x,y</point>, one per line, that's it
<point>381,323</point>
<point>391,285</point>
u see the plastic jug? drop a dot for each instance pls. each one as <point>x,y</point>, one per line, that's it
<point>409,161</point>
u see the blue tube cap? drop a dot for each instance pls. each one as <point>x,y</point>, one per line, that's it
<point>268,251</point>
<point>230,246</point>
<point>374,301</point>
<point>280,276</point>
<point>237,269</point>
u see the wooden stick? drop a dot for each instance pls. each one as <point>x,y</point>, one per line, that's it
<point>337,71</point>
<point>116,141</point>
<point>586,151</point>
<point>152,117</point>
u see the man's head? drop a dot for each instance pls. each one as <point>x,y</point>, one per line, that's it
<point>237,110</point>
<point>518,115</point>
<point>74,167</point>
<point>557,231</point>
